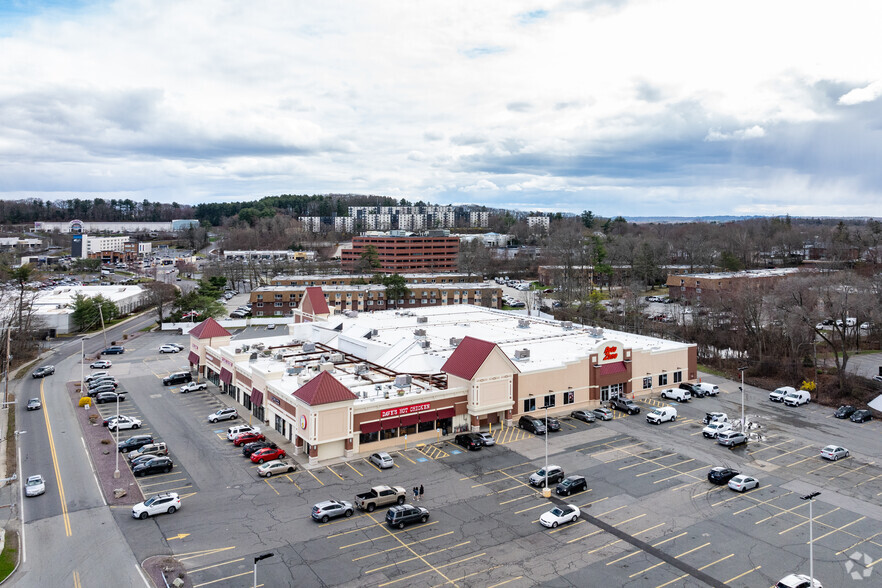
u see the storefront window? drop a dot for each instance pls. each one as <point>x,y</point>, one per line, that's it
<point>412,429</point>
<point>663,380</point>
<point>389,433</point>
<point>368,437</point>
<point>569,397</point>
<point>647,382</point>
<point>550,400</point>
<point>246,402</point>
<point>678,377</point>
<point>423,427</point>
<point>529,404</point>
<point>446,425</point>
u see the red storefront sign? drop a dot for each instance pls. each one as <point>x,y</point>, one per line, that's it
<point>391,412</point>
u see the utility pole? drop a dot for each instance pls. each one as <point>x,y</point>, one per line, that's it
<point>811,498</point>
<point>6,390</point>
<point>101,314</point>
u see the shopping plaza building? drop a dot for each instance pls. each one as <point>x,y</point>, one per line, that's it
<point>340,384</point>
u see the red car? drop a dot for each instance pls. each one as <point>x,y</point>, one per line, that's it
<point>267,454</point>
<point>247,438</point>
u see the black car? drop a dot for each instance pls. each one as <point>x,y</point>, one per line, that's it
<point>103,397</point>
<point>861,416</point>
<point>532,424</point>
<point>624,404</point>
<point>400,515</point>
<point>154,466</point>
<point>583,415</point>
<point>470,441</point>
<point>135,442</point>
<point>250,448</point>
<point>551,424</point>
<point>103,382</point>
<point>571,485</point>
<point>178,378</point>
<point>845,411</point>
<point>99,389</point>
<point>694,389</point>
<point>42,372</point>
<point>114,350</point>
<point>720,475</point>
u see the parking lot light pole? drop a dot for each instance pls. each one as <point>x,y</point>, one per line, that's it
<point>546,492</point>
<point>116,471</point>
<point>811,498</point>
<point>257,559</point>
<point>743,424</point>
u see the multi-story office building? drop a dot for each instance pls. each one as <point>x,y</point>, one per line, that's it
<point>399,254</point>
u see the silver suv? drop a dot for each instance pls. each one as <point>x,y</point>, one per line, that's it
<point>731,438</point>
<point>555,475</point>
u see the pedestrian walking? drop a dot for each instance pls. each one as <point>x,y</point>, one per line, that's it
<point>416,493</point>
<point>421,491</point>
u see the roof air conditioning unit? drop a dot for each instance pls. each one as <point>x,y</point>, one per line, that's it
<point>253,357</point>
<point>336,358</point>
<point>568,325</point>
<point>419,333</point>
<point>238,350</point>
<point>308,347</point>
<point>259,346</point>
<point>291,371</point>
<point>403,381</point>
<point>454,341</point>
<point>374,332</point>
<point>523,324</point>
<point>424,344</point>
<point>246,347</point>
<point>361,368</point>
<point>522,354</point>
<point>422,319</point>
<point>378,387</point>
<point>327,367</point>
<point>600,331</point>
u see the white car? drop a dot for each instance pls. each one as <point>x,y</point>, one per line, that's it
<point>124,422</point>
<point>677,394</point>
<point>798,581</point>
<point>657,416</point>
<point>193,386</point>
<point>382,460</point>
<point>559,515</point>
<point>169,349</point>
<point>276,466</point>
<point>167,502</point>
<point>233,432</point>
<point>488,439</point>
<point>834,452</point>
<point>740,483</point>
<point>95,376</point>
<point>223,414</point>
<point>101,364</point>
<point>712,430</point>
<point>35,486</point>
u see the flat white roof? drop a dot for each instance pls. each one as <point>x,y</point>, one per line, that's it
<point>760,273</point>
<point>66,294</point>
<point>376,287</point>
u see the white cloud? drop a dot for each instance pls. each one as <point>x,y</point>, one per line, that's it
<point>754,132</point>
<point>865,94</point>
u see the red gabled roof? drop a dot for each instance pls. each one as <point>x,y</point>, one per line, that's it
<point>317,300</point>
<point>468,357</point>
<point>209,328</point>
<point>324,389</point>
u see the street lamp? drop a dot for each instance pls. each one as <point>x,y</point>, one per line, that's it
<point>116,471</point>
<point>811,498</point>
<point>257,559</point>
<point>743,424</point>
<point>545,491</point>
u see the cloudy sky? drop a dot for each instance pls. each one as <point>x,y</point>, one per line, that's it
<point>639,108</point>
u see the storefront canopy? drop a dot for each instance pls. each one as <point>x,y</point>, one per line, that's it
<point>226,376</point>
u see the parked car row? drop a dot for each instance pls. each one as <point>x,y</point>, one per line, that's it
<point>850,412</point>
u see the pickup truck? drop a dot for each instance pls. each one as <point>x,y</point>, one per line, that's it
<point>624,404</point>
<point>149,449</point>
<point>380,496</point>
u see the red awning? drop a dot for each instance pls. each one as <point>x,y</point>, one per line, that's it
<point>446,413</point>
<point>371,427</point>
<point>427,417</point>
<point>387,424</point>
<point>226,376</point>
<point>193,358</point>
<point>409,419</point>
<point>256,397</point>
<point>612,368</point>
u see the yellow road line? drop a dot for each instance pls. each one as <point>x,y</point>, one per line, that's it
<point>587,504</point>
<point>663,468</point>
<point>820,468</point>
<point>335,473</point>
<point>689,473</point>
<point>401,561</point>
<point>704,567</point>
<point>370,463</point>
<point>406,546</point>
<point>839,529</point>
<point>248,573</point>
<point>400,547</point>
<point>290,479</point>
<point>490,569</point>
<point>504,583</point>
<point>778,514</point>
<point>517,465</point>
<point>76,579</point>
<point>354,470</point>
<point>380,524</point>
<point>401,454</point>
<point>852,471</point>
<point>730,580</point>
<point>316,479</point>
<point>195,554</point>
<point>789,452</point>
<point>858,543</point>
<point>271,486</point>
<point>760,503</point>
<point>516,499</point>
<point>603,514</point>
<point>223,563</point>
<point>64,513</point>
<point>161,483</point>
<point>545,504</point>
<point>806,520</point>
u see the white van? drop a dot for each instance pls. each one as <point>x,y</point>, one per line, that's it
<point>709,389</point>
<point>233,431</point>
<point>779,394</point>
<point>797,397</point>
<point>659,415</point>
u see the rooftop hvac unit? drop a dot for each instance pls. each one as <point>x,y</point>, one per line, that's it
<point>308,347</point>
<point>523,324</point>
<point>327,367</point>
<point>297,369</point>
<point>336,358</point>
<point>291,371</point>
<point>246,347</point>
<point>424,344</point>
<point>419,332</point>
<point>361,368</point>
<point>568,325</point>
<point>454,341</point>
<point>253,357</point>
<point>522,354</point>
<point>402,381</point>
<point>422,319</point>
<point>259,346</point>
<point>600,331</point>
<point>278,357</point>
<point>378,387</point>
<point>364,393</point>
<point>374,332</point>
<point>238,350</point>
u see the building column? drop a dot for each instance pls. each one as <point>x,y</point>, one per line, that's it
<point>508,420</point>
<point>298,445</point>
<point>348,444</point>
<point>313,455</point>
<point>475,423</point>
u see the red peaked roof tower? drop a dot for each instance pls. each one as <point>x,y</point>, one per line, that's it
<point>324,389</point>
<point>209,328</point>
<point>468,357</point>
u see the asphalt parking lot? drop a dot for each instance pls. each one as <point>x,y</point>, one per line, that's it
<point>650,516</point>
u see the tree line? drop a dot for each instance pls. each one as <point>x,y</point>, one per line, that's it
<point>96,209</point>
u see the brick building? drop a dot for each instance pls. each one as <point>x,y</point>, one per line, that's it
<point>401,254</point>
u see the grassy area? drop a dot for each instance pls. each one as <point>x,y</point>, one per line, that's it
<point>9,556</point>
<point>22,372</point>
<point>712,371</point>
